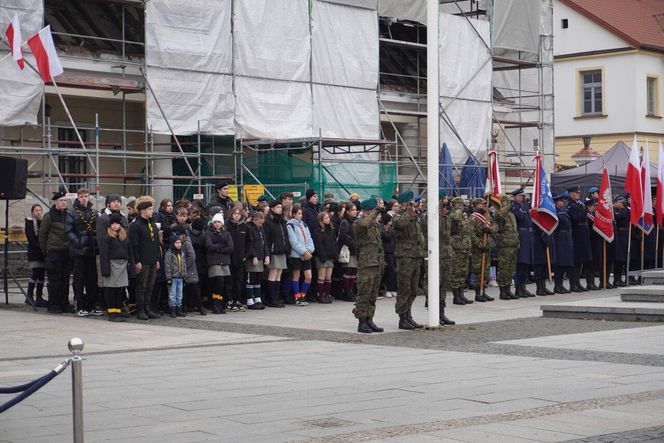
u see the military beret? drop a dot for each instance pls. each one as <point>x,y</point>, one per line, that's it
<point>518,192</point>
<point>593,189</point>
<point>57,195</point>
<point>574,189</point>
<point>405,197</point>
<point>442,193</point>
<point>368,204</point>
<point>457,200</point>
<point>262,198</point>
<point>590,202</point>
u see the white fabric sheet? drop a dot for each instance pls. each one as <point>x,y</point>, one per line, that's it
<point>415,10</point>
<point>20,91</point>
<point>465,86</point>
<point>368,4</point>
<point>272,39</point>
<point>345,113</point>
<point>273,109</point>
<point>516,25</point>
<point>348,58</point>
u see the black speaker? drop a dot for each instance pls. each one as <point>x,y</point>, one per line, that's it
<point>13,178</point>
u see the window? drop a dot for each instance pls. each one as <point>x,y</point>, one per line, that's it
<point>591,90</point>
<point>564,23</point>
<point>652,96</point>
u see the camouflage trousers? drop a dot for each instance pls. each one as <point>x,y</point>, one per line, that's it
<point>476,267</point>
<point>368,283</point>
<point>444,279</point>
<point>506,266</point>
<point>459,268</point>
<point>408,275</point>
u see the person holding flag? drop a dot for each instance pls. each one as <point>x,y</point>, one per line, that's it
<point>524,256</point>
<point>564,254</point>
<point>602,234</point>
<point>621,215</point>
<point>580,237</point>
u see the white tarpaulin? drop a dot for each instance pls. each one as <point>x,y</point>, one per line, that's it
<point>415,10</point>
<point>21,91</point>
<point>465,86</point>
<point>346,113</point>
<point>516,25</point>
<point>188,47</point>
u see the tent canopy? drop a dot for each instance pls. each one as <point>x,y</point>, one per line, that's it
<point>590,174</point>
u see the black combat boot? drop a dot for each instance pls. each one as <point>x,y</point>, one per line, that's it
<point>180,312</point>
<point>558,287</point>
<point>478,296</point>
<point>443,320</point>
<point>150,313</point>
<point>409,316</point>
<point>540,289</point>
<point>463,297</point>
<point>173,312</point>
<point>547,291</point>
<point>517,292</point>
<point>590,280</point>
<point>364,327</point>
<point>525,290</point>
<point>457,300</point>
<point>486,296</point>
<point>140,312</point>
<point>373,326</point>
<point>504,293</point>
<point>404,323</point>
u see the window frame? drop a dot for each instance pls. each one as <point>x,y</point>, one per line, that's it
<point>655,112</point>
<point>580,94</point>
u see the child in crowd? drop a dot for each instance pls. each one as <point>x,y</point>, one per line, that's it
<point>325,244</point>
<point>302,249</point>
<point>240,234</point>
<point>176,272</point>
<point>115,254</point>
<point>35,256</point>
<point>257,257</point>
<point>219,246</point>
<point>195,294</point>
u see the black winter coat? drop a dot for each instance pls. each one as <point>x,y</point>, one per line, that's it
<point>111,248</point>
<point>563,237</point>
<point>164,218</point>
<point>226,204</point>
<point>81,230</point>
<point>389,241</point>
<point>346,235</point>
<point>240,235</point>
<point>525,226</point>
<point>621,217</point>
<point>257,245</point>
<point>580,233</point>
<point>325,243</point>
<point>219,246</point>
<point>198,242</point>
<point>310,216</point>
<point>277,235</point>
<point>145,244</point>
<point>31,232</point>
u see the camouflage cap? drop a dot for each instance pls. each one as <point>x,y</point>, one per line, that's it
<point>457,200</point>
<point>478,201</point>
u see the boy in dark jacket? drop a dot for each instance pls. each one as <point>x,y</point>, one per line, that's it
<point>194,292</point>
<point>257,258</point>
<point>175,267</point>
<point>240,234</point>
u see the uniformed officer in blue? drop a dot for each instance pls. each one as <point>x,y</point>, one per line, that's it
<point>621,219</point>
<point>524,256</point>
<point>580,236</point>
<point>564,244</point>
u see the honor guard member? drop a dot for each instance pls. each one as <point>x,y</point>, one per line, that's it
<point>507,242</point>
<point>593,192</point>
<point>621,219</point>
<point>524,256</point>
<point>482,239</point>
<point>564,245</point>
<point>542,241</point>
<point>580,237</point>
<point>370,264</point>
<point>595,246</point>
<point>408,255</point>
<point>445,255</point>
<point>460,239</point>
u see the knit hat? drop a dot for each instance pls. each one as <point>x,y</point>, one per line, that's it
<point>113,197</point>
<point>144,202</point>
<point>310,193</point>
<point>115,218</point>
<point>405,197</point>
<point>214,210</point>
<point>221,184</point>
<point>369,204</point>
<point>219,216</point>
<point>274,203</point>
<point>198,224</point>
<point>175,237</point>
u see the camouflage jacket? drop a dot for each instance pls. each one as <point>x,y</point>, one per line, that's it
<point>368,241</point>
<point>444,239</point>
<point>507,234</point>
<point>477,232</point>
<point>408,231</point>
<point>459,230</point>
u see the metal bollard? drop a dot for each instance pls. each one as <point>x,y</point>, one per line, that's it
<point>76,346</point>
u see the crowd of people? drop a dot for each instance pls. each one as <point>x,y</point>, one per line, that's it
<point>227,256</point>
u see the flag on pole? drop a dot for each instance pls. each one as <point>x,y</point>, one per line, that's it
<point>659,203</point>
<point>14,38</point>
<point>633,184</point>
<point>604,213</point>
<point>543,212</point>
<point>44,51</point>
<point>493,186</point>
<point>645,224</point>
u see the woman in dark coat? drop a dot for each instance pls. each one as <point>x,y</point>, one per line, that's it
<point>325,243</point>
<point>279,246</point>
<point>240,235</point>
<point>564,252</point>
<point>35,256</point>
<point>346,238</point>
<point>115,255</point>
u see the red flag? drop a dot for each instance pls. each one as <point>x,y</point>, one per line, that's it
<point>493,186</point>
<point>633,185</point>
<point>43,49</point>
<point>14,38</point>
<point>604,213</point>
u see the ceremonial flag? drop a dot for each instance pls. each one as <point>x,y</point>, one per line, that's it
<point>633,185</point>
<point>646,221</point>
<point>493,186</point>
<point>659,204</point>
<point>14,38</point>
<point>543,212</point>
<point>43,49</point>
<point>604,213</point>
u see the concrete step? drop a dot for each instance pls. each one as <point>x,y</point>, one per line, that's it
<point>647,294</point>
<point>654,277</point>
<point>609,308</point>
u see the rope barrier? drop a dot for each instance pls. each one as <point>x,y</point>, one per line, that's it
<point>27,389</point>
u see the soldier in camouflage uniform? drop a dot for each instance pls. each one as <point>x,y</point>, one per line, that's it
<point>370,264</point>
<point>445,257</point>
<point>507,242</point>
<point>460,239</point>
<point>481,225</point>
<point>408,254</point>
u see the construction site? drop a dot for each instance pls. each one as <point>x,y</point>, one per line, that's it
<point>168,97</point>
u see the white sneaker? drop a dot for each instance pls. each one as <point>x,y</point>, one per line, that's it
<point>82,313</point>
<point>96,312</point>
<point>301,302</point>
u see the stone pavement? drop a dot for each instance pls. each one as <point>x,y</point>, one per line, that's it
<point>510,376</point>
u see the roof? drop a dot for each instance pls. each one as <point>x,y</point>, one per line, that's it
<point>586,152</point>
<point>635,21</point>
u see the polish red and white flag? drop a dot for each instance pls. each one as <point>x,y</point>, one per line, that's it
<point>493,185</point>
<point>659,203</point>
<point>44,51</point>
<point>14,38</point>
<point>603,222</point>
<point>633,184</point>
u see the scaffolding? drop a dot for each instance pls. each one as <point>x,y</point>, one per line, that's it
<point>135,153</point>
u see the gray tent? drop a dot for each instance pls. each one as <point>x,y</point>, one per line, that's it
<point>590,174</point>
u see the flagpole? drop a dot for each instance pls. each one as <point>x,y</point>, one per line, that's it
<point>656,247</point>
<point>604,264</point>
<point>629,253</point>
<point>643,243</point>
<point>483,262</point>
<point>548,263</point>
